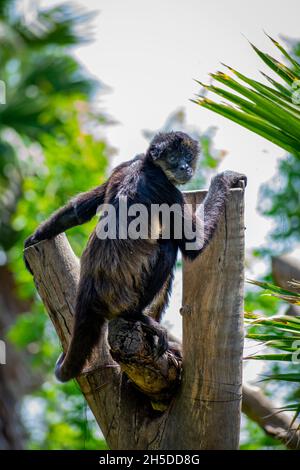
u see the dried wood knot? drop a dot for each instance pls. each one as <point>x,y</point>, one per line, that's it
<point>185,310</point>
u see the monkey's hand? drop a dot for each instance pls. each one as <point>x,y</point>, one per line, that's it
<point>155,329</point>
<point>232,179</point>
<point>32,240</point>
<point>59,374</point>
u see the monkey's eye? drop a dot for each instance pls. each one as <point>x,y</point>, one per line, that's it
<point>172,159</point>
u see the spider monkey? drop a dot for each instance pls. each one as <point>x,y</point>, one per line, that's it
<point>132,277</point>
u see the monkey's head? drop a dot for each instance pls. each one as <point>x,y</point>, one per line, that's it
<point>176,154</point>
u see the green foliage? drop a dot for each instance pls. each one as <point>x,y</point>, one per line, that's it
<point>47,137</point>
<point>42,81</point>
<point>268,304</point>
<point>279,292</point>
<point>270,111</point>
<point>280,200</point>
<point>70,424</point>
<point>281,333</point>
<point>254,438</point>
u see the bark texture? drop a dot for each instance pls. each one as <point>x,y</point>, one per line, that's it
<point>204,411</point>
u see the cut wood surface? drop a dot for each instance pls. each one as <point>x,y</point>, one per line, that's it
<point>204,411</point>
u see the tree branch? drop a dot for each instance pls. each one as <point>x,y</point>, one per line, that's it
<point>261,410</point>
<point>286,268</point>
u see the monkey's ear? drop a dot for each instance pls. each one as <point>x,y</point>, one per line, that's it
<point>179,137</point>
<point>156,150</point>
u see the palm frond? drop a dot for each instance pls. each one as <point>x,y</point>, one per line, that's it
<point>279,333</point>
<point>270,110</point>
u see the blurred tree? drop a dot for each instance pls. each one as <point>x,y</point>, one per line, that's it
<point>47,136</point>
<point>41,80</point>
<point>280,199</point>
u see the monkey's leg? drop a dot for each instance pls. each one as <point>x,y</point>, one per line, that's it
<point>88,325</point>
<point>157,307</point>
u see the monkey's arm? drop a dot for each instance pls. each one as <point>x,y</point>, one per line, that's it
<point>212,210</point>
<point>77,211</point>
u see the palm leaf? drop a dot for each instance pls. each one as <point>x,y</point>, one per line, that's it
<point>280,333</point>
<point>284,52</point>
<point>274,289</point>
<point>253,123</point>
<point>271,357</point>
<point>290,377</point>
<point>271,110</point>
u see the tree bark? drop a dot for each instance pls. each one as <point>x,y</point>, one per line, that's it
<point>204,412</point>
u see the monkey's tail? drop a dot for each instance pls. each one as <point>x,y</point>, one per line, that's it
<point>86,336</point>
<point>87,331</point>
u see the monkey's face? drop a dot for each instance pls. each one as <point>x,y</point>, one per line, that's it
<point>176,154</point>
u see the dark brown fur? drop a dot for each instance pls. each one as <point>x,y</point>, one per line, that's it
<point>131,278</point>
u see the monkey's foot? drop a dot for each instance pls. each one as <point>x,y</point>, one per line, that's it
<point>155,330</point>
<point>156,335</point>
